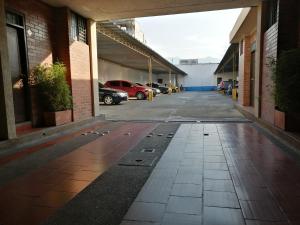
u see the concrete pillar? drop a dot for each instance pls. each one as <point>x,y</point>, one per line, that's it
<point>92,40</point>
<point>7,116</point>
<point>259,57</point>
<point>247,68</point>
<point>150,71</point>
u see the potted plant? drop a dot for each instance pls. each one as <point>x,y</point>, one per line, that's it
<point>54,93</point>
<point>286,78</point>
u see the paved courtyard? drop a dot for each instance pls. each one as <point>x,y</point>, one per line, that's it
<point>219,174</point>
<point>185,106</point>
<point>155,173</point>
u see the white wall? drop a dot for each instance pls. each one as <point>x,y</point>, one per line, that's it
<point>112,71</point>
<point>165,78</point>
<point>199,75</point>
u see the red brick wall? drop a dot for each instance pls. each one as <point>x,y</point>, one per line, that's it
<point>245,67</point>
<point>246,80</point>
<point>62,42</point>
<point>39,20</point>
<point>50,41</point>
<point>269,50</point>
<point>81,80</point>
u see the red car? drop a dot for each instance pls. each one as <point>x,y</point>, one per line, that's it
<point>132,89</point>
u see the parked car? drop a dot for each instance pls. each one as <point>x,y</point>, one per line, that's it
<point>156,91</point>
<point>164,90</point>
<point>111,96</point>
<point>133,90</point>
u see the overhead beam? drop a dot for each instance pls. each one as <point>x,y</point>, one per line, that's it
<point>116,9</point>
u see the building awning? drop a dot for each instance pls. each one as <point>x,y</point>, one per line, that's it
<point>100,10</point>
<point>115,45</point>
<point>246,23</point>
<point>230,61</point>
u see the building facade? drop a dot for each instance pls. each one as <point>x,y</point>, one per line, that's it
<point>34,32</point>
<point>262,34</point>
<point>37,33</point>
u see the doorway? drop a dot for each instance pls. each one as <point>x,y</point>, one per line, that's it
<point>252,78</point>
<point>18,65</point>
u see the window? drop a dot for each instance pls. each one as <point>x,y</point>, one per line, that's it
<point>126,84</point>
<point>272,12</point>
<point>78,28</point>
<point>114,83</point>
<point>14,19</point>
<point>219,80</point>
<point>242,47</point>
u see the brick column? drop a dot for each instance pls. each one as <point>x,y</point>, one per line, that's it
<point>92,40</point>
<point>7,117</point>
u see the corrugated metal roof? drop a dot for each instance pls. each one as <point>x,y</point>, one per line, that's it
<point>134,57</point>
<point>226,64</point>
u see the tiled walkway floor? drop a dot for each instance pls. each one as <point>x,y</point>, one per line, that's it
<point>219,174</point>
<point>32,198</point>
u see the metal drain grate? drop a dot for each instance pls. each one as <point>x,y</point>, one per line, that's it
<point>148,150</point>
<point>146,162</point>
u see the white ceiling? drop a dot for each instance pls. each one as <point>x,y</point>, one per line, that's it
<point>100,10</point>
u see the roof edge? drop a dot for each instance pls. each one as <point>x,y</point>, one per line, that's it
<point>239,22</point>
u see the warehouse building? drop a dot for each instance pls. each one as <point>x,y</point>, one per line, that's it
<point>200,75</point>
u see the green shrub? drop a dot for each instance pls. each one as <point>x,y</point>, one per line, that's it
<point>287,81</point>
<point>54,92</point>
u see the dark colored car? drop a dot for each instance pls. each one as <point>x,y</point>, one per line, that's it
<point>133,90</point>
<point>164,90</point>
<point>111,96</point>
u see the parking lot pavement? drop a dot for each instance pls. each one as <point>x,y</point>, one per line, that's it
<point>209,176</point>
<point>185,106</point>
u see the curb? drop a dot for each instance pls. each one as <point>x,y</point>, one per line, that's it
<point>48,132</point>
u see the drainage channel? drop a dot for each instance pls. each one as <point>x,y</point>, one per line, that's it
<point>189,121</point>
<point>147,153</point>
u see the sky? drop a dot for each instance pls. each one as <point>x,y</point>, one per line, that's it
<point>192,35</point>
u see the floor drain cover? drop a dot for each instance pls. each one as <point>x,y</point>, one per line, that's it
<point>145,160</point>
<point>148,150</point>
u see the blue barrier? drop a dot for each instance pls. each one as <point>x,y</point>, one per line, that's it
<point>201,88</point>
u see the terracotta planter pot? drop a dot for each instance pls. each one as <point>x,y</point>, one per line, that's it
<point>280,119</point>
<point>57,118</point>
